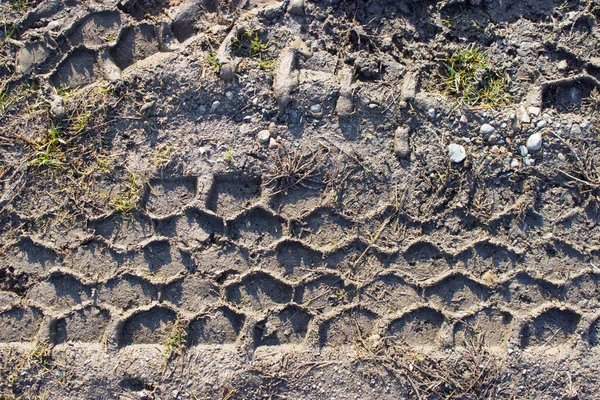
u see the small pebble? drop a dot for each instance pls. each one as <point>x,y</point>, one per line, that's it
<point>464,119</point>
<point>585,124</point>
<point>457,153</point>
<point>563,65</point>
<point>541,124</point>
<point>530,162</point>
<point>316,108</point>
<point>273,144</point>
<point>431,113</point>
<point>263,136</point>
<point>201,109</point>
<point>492,138</point>
<point>373,106</point>
<point>255,101</point>
<point>523,151</point>
<point>525,118</point>
<point>561,157</point>
<point>487,129</point>
<point>575,129</point>
<point>215,105</point>
<point>515,163</point>
<point>534,143</point>
<point>229,95</point>
<point>534,111</point>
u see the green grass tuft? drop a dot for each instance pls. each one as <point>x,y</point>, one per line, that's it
<point>469,77</point>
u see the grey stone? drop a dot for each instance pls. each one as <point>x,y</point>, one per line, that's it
<point>401,142</point>
<point>487,129</point>
<point>286,78</point>
<point>523,151</point>
<point>541,124</point>
<point>575,129</point>
<point>315,108</point>
<point>215,105</point>
<point>57,107</point>
<point>457,153</point>
<point>263,136</point>
<point>409,86</point>
<point>525,118</point>
<point>296,7</point>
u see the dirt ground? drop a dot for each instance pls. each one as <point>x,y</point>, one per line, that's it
<point>301,199</point>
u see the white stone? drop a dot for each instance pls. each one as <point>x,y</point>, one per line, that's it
<point>457,153</point>
<point>530,162</point>
<point>464,119</point>
<point>255,101</point>
<point>229,95</point>
<point>515,163</point>
<point>541,124</point>
<point>534,143</point>
<point>487,129</point>
<point>316,108</point>
<point>431,113</point>
<point>561,157</point>
<point>525,118</point>
<point>575,129</point>
<point>215,105</point>
<point>534,110</point>
<point>585,124</point>
<point>563,65</point>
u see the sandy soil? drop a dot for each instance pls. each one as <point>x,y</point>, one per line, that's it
<point>264,199</point>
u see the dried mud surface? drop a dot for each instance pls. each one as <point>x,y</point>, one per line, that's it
<point>154,245</point>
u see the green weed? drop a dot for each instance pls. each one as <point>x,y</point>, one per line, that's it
<point>127,199</point>
<point>50,152</point>
<point>213,61</point>
<point>248,44</point>
<point>175,343</point>
<point>469,76</point>
<point>228,155</point>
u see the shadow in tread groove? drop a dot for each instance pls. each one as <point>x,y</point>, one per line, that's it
<point>457,292</point>
<point>286,327</point>
<point>127,292</point>
<point>231,194</point>
<point>325,293</point>
<point>80,68</point>
<point>168,196</point>
<point>194,227</point>
<point>296,259</point>
<point>20,324</point>
<point>419,328</point>
<point>347,328</point>
<point>552,327</point>
<point>388,294</point>
<point>96,29</point>
<point>84,326</point>
<point>192,293</point>
<point>257,227</point>
<point>222,326</point>
<point>494,325</point>
<point>148,327</point>
<point>259,291</point>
